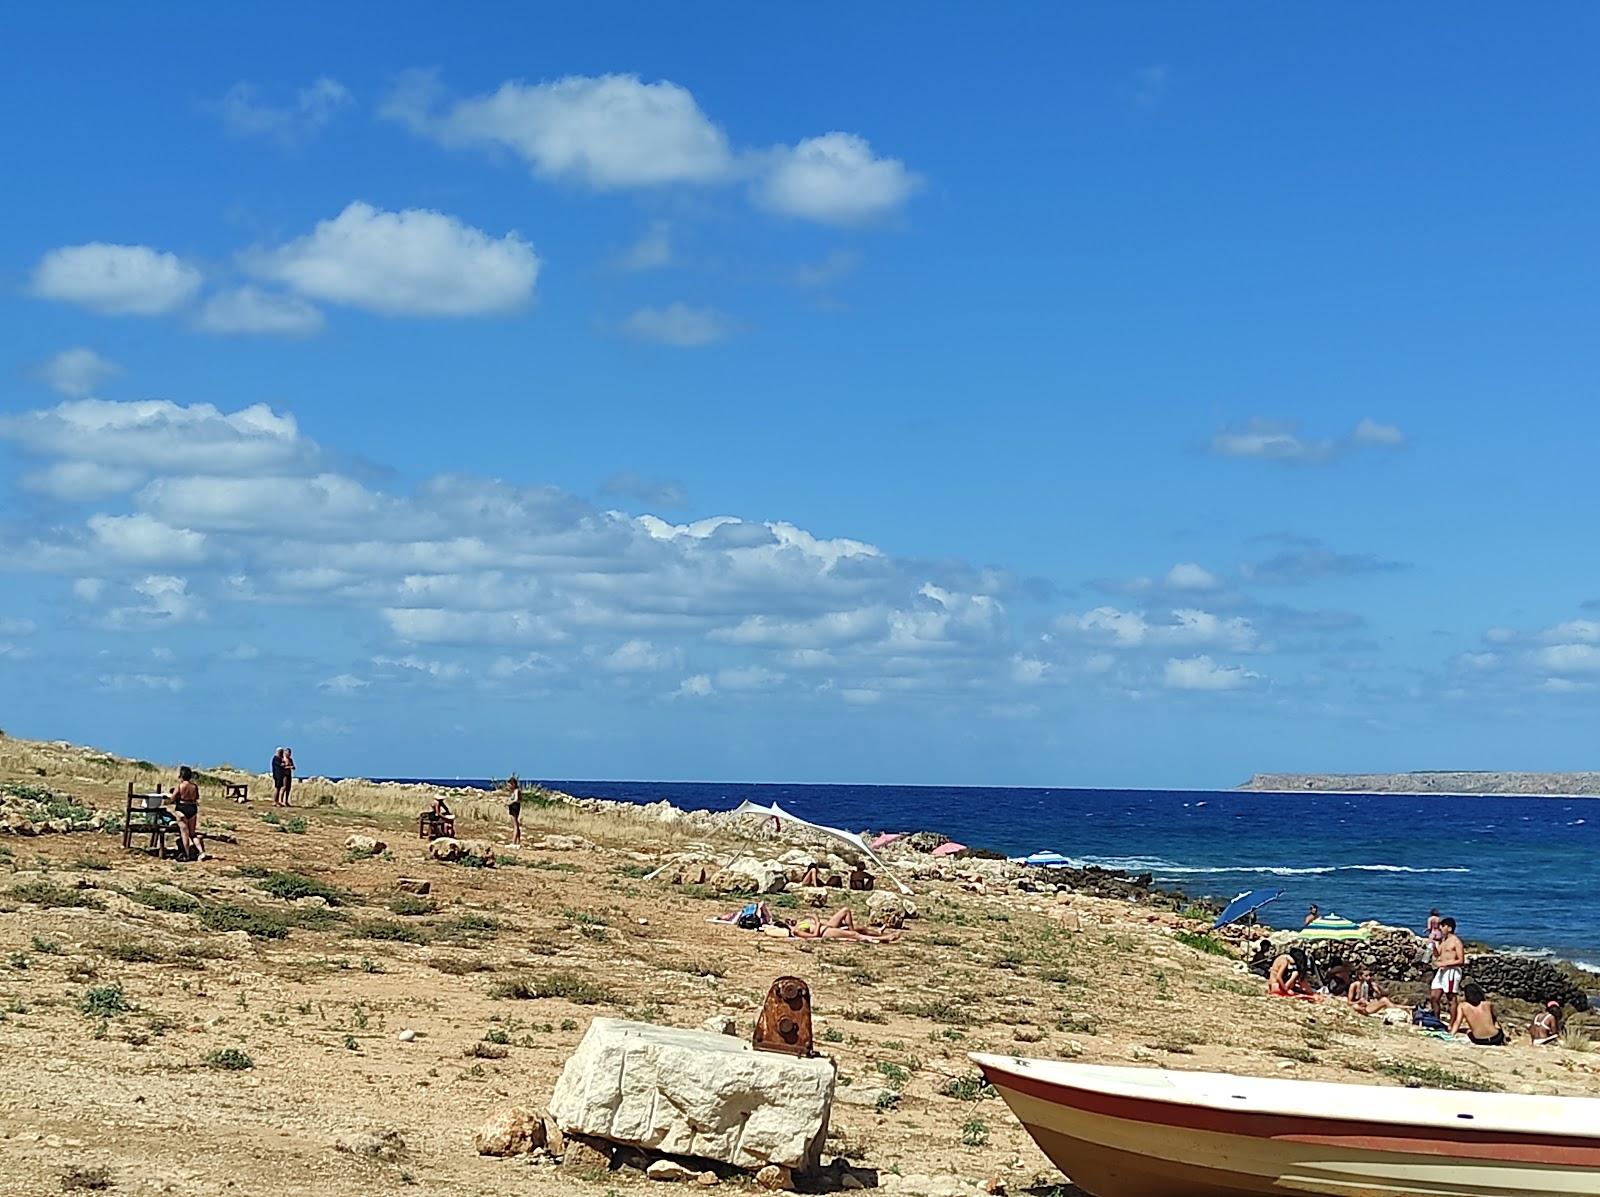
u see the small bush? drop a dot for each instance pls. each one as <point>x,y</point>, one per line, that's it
<point>515,989</point>
<point>941,1010</point>
<point>229,1059</point>
<point>487,1051</point>
<point>409,905</point>
<point>460,966</point>
<point>160,899</point>
<point>252,920</point>
<point>103,1001</point>
<point>496,1035</point>
<point>865,1015</point>
<point>290,886</point>
<point>893,1073</point>
<point>134,951</point>
<point>45,947</point>
<point>1203,943</point>
<point>1302,1055</point>
<point>78,1179</point>
<point>968,1088</point>
<point>568,986</point>
<point>974,1132</point>
<point>388,929</point>
<point>886,1100</point>
<point>1431,1076</point>
<point>51,896</point>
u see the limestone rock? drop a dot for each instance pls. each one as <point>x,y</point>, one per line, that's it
<point>918,1184</point>
<point>693,1093</point>
<point>776,1178</point>
<point>890,908</point>
<point>583,1155</point>
<point>384,1144</point>
<point>720,1024</point>
<point>311,902</point>
<point>413,885</point>
<point>445,848</point>
<point>364,845</point>
<point>511,1131</point>
<point>670,1170</point>
<point>562,843</point>
<point>770,876</point>
<point>728,883</point>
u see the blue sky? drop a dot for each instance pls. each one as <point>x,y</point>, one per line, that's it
<point>1103,397</point>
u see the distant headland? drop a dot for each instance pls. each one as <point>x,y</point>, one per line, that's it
<point>1576,785</point>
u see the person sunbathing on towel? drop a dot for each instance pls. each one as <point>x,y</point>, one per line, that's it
<point>841,924</point>
<point>1290,976</point>
<point>1367,995</point>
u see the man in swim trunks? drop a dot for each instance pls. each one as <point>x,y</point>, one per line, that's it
<point>1475,1016</point>
<point>186,813</point>
<point>1448,959</point>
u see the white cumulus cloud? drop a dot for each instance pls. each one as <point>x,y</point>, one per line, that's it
<point>605,132</point>
<point>247,113</point>
<point>77,373</point>
<point>1202,673</point>
<point>118,280</point>
<point>1186,575</point>
<point>678,325</point>
<point>248,310</point>
<point>835,179</point>
<point>412,263</point>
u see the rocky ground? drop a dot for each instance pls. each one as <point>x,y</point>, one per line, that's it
<point>287,1018</point>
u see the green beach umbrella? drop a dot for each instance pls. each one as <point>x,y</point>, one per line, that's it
<point>1331,926</point>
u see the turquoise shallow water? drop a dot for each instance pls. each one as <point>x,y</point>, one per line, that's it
<point>1515,872</point>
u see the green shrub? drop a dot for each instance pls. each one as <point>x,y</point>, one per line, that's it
<point>974,1132</point>
<point>160,899</point>
<point>410,905</point>
<point>290,886</point>
<point>102,1001</point>
<point>388,929</point>
<point>252,920</point>
<point>1203,943</point>
<point>968,1088</point>
<point>49,895</point>
<point>229,1059</point>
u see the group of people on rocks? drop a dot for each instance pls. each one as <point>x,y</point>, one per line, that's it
<point>1455,1004</point>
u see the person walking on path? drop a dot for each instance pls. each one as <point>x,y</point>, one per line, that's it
<point>1449,958</point>
<point>186,813</point>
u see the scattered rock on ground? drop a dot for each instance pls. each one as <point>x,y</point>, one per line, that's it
<point>511,1131</point>
<point>670,1170</point>
<point>413,885</point>
<point>364,845</point>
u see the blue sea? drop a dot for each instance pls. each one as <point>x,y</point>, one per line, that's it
<point>1520,873</point>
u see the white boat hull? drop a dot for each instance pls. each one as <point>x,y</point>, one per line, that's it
<point>1137,1143</point>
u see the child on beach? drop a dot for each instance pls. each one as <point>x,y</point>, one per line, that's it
<point>1367,995</point>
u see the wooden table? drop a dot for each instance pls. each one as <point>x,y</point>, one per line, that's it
<point>152,821</point>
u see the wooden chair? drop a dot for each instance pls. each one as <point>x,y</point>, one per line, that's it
<point>238,791</point>
<point>432,827</point>
<point>152,821</point>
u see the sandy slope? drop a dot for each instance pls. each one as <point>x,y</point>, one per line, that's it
<point>318,1011</point>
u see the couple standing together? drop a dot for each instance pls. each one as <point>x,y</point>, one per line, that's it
<point>282,776</point>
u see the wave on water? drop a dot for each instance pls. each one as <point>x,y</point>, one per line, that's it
<point>1140,864</point>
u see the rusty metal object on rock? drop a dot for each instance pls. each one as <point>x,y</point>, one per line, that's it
<point>784,1024</point>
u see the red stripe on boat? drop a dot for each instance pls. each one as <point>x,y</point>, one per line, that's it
<point>1464,1143</point>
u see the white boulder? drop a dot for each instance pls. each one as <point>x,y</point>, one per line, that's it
<point>694,1093</point>
<point>770,876</point>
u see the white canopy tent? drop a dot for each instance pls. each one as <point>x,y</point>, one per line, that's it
<point>778,815</point>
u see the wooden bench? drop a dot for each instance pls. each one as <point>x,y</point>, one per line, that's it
<point>238,791</point>
<point>142,818</point>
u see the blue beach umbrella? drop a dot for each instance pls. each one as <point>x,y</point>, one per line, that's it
<point>1246,903</point>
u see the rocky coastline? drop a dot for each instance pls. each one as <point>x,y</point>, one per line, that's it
<point>1441,782</point>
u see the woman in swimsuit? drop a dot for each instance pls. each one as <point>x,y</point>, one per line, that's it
<point>840,925</point>
<point>514,808</point>
<point>1546,1028</point>
<point>186,813</point>
<point>1366,995</point>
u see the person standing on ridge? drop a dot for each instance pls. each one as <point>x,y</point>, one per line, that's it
<point>1449,958</point>
<point>514,809</point>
